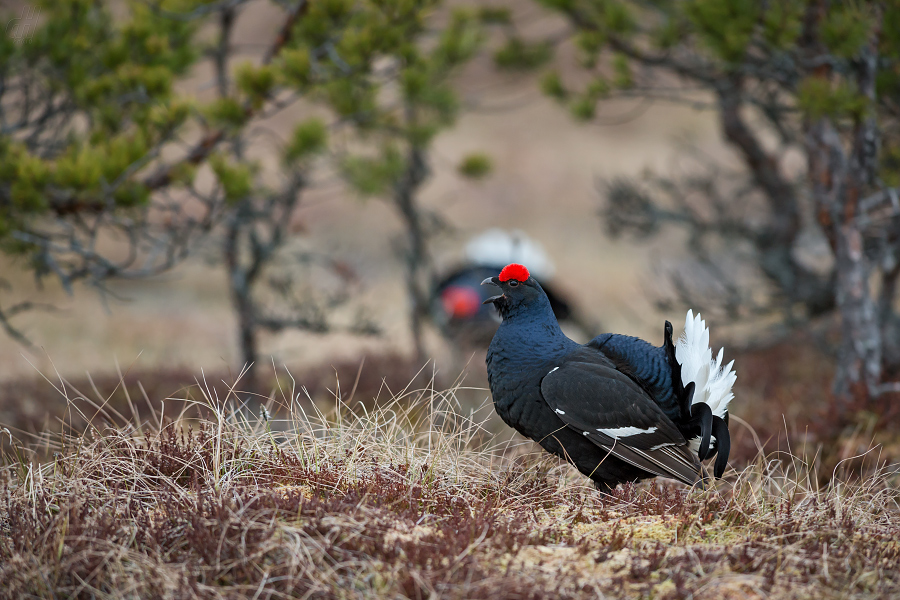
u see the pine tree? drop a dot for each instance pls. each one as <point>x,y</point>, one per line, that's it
<point>98,143</point>
<point>87,106</point>
<point>399,132</point>
<point>819,78</point>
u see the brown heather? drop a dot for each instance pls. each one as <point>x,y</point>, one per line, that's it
<point>412,499</point>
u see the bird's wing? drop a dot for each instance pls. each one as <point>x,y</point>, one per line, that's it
<point>590,396</point>
<point>647,365</point>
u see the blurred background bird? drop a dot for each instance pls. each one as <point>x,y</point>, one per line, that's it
<point>457,300</point>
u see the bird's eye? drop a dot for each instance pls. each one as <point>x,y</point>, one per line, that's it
<point>513,283</point>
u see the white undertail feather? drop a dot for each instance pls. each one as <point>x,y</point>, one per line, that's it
<point>713,382</point>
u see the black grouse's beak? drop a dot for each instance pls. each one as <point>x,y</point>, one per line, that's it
<point>492,281</point>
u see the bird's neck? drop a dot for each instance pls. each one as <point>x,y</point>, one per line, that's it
<point>533,333</point>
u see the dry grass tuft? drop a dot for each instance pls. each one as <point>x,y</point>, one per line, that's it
<point>412,499</point>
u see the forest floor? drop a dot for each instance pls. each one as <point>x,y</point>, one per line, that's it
<point>414,497</point>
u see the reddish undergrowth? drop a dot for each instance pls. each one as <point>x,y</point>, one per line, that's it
<point>34,404</point>
<point>412,499</point>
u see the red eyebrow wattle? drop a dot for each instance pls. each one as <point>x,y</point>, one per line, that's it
<point>514,271</point>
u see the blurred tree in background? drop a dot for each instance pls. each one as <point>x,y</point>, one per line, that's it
<point>267,275</point>
<point>107,171</point>
<point>399,128</point>
<point>816,80</point>
<point>87,108</point>
<point>110,168</point>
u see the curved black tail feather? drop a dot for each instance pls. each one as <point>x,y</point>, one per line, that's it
<point>674,365</point>
<point>702,415</point>
<point>696,417</point>
<point>723,444</point>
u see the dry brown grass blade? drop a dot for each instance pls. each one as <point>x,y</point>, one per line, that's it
<point>413,498</point>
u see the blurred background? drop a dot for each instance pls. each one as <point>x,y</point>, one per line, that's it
<point>189,187</point>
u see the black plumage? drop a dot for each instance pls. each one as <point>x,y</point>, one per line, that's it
<point>456,305</point>
<point>656,369</point>
<point>600,414</point>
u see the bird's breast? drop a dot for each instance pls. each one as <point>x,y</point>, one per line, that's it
<point>515,381</point>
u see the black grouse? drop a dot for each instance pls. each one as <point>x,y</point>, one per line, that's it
<point>458,305</point>
<point>617,408</point>
<point>457,297</point>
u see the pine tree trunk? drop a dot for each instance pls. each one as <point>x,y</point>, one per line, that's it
<point>247,342</point>
<point>775,244</point>
<point>241,300</point>
<point>839,180</point>
<point>859,360</point>
<point>417,258</point>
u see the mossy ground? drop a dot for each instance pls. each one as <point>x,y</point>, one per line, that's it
<point>412,499</point>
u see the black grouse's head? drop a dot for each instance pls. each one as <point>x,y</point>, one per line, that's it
<point>519,290</point>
